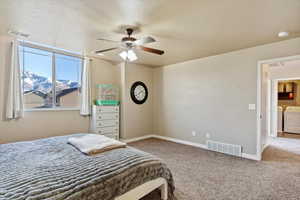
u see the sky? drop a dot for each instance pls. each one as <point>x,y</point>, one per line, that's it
<point>40,62</point>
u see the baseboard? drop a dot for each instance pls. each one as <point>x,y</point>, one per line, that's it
<point>202,146</point>
<point>137,138</point>
<point>264,147</point>
<point>250,156</point>
<point>179,141</point>
<point>259,157</point>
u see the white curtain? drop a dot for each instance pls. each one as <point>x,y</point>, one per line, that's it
<point>85,103</point>
<point>14,101</point>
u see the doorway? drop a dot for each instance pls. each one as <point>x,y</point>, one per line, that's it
<point>277,91</point>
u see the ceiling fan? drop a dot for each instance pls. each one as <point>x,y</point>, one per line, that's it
<point>129,44</point>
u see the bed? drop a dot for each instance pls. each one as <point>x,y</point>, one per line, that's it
<point>52,169</point>
<point>292,119</point>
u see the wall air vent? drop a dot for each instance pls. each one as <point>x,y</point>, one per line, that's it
<point>278,64</point>
<point>17,33</point>
<point>231,149</point>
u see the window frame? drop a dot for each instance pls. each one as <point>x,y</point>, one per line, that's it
<point>53,51</point>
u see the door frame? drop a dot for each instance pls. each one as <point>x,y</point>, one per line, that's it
<point>259,148</point>
<point>273,108</point>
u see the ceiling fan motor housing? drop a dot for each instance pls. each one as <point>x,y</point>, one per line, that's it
<point>129,31</point>
<point>128,39</point>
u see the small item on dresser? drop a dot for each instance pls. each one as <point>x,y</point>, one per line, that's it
<point>108,94</point>
<point>92,143</point>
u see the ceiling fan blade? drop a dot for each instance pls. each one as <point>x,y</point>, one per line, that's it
<point>104,50</point>
<point>144,40</point>
<point>151,50</point>
<point>108,40</point>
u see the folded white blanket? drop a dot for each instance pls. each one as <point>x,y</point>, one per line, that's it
<point>94,143</point>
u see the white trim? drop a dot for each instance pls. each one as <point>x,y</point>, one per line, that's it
<point>144,189</point>
<point>250,156</point>
<point>265,146</point>
<point>137,138</point>
<point>258,110</point>
<point>259,150</point>
<point>198,145</point>
<point>202,146</point>
<point>273,110</point>
<point>51,109</point>
<point>287,79</point>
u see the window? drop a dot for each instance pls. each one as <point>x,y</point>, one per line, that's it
<point>50,80</point>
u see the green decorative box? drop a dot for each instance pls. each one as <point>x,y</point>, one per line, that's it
<point>107,102</point>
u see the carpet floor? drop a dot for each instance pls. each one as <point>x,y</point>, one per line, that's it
<point>201,174</point>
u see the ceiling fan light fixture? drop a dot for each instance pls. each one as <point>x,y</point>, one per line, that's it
<point>131,56</point>
<point>100,54</point>
<point>123,55</point>
<point>283,34</point>
<point>128,55</point>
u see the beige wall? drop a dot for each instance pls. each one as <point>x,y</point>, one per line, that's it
<point>212,95</point>
<point>48,123</point>
<point>136,120</point>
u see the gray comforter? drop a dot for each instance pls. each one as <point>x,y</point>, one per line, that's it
<point>52,169</point>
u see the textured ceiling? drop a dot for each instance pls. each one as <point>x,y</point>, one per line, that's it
<point>184,29</point>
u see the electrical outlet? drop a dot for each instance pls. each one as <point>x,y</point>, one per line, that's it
<point>207,135</point>
<point>194,133</point>
<point>251,107</point>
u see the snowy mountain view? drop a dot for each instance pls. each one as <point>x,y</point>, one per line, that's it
<point>35,82</point>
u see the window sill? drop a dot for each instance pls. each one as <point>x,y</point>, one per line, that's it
<point>50,109</point>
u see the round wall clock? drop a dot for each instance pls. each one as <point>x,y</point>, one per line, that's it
<point>139,92</point>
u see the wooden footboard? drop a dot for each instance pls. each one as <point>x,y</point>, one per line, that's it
<point>146,188</point>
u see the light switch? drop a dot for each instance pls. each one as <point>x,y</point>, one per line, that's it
<point>251,106</point>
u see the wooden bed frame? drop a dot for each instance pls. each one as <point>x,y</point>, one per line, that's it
<point>145,189</point>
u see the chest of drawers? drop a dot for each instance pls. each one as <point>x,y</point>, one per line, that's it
<point>105,121</point>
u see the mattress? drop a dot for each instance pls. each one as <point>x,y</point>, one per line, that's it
<point>52,169</point>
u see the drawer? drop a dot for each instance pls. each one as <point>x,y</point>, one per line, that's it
<point>107,109</point>
<point>105,123</point>
<point>107,130</point>
<point>108,116</point>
